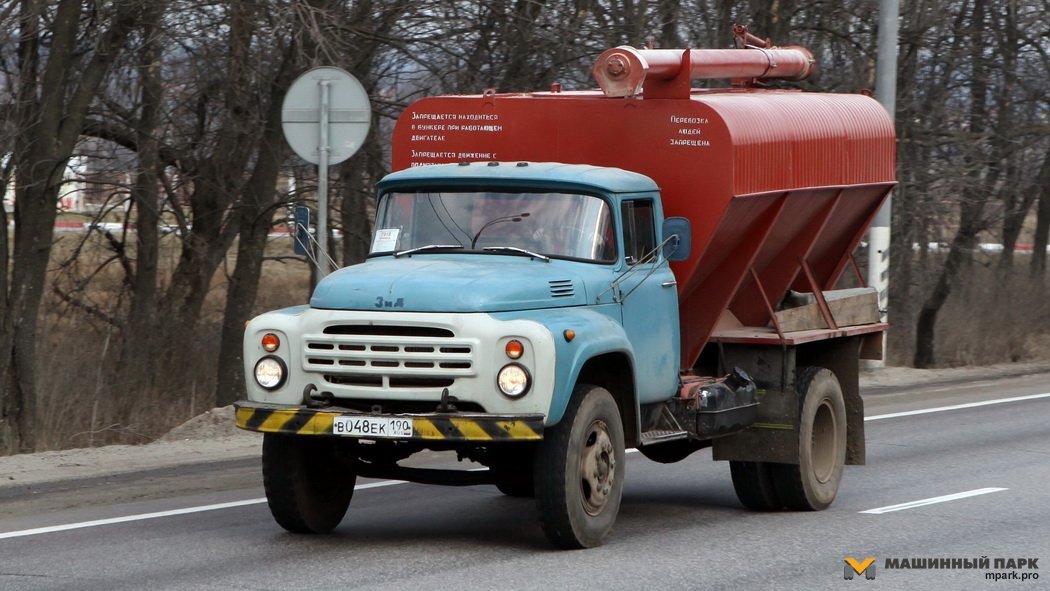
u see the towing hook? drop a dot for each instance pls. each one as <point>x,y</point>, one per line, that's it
<point>448,403</point>
<point>315,399</point>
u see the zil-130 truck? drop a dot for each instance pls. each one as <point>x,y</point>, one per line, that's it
<point>556,277</point>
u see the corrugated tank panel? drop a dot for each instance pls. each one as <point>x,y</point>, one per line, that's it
<point>793,140</point>
<point>873,145</point>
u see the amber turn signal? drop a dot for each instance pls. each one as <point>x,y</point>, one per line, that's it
<point>569,335</point>
<point>270,342</point>
<point>515,349</point>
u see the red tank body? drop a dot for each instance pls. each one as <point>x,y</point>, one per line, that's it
<point>768,178</point>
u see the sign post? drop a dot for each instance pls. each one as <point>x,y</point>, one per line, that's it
<point>325,117</point>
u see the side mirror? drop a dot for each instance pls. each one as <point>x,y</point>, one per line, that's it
<point>677,248</point>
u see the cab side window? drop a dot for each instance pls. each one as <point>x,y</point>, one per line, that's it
<point>639,229</point>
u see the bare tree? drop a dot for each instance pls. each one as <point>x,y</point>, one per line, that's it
<point>64,56</point>
<point>981,173</point>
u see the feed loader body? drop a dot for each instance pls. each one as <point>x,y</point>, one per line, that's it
<point>557,275</point>
<point>764,177</point>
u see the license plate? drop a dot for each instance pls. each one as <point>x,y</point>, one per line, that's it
<point>387,427</point>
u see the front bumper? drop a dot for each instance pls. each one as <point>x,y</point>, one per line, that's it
<point>466,427</point>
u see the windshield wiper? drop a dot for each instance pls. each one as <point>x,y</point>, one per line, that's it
<point>517,250</point>
<point>427,247</point>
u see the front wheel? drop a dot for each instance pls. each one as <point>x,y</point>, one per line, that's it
<point>308,480</point>
<point>579,470</point>
<point>513,473</point>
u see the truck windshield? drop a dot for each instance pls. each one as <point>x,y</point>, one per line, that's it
<point>560,225</point>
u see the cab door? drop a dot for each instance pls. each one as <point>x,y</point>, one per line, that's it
<point>649,302</point>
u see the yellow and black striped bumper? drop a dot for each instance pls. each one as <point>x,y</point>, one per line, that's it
<point>472,427</point>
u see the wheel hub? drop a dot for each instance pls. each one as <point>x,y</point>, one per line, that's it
<point>823,442</point>
<point>597,468</point>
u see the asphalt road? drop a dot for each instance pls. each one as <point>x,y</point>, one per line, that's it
<point>680,525</point>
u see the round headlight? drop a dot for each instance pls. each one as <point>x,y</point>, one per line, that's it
<point>513,380</point>
<point>269,373</point>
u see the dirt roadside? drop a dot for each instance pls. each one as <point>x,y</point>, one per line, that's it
<point>213,438</point>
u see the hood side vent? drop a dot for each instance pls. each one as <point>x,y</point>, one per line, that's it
<point>562,288</point>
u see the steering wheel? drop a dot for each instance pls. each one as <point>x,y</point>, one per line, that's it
<point>568,237</point>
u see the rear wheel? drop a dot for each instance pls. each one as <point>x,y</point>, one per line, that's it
<point>579,470</point>
<point>811,485</point>
<point>753,483</point>
<point>308,480</point>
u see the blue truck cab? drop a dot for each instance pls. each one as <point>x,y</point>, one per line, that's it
<point>561,259</point>
<point>493,292</point>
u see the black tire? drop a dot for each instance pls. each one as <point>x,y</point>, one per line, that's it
<point>514,475</point>
<point>522,488</point>
<point>309,481</point>
<point>753,483</point>
<point>578,507</point>
<point>811,485</point>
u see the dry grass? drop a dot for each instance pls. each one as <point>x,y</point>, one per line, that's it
<point>991,317</point>
<point>80,401</point>
<point>988,321</point>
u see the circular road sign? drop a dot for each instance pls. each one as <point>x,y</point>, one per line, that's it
<point>349,114</point>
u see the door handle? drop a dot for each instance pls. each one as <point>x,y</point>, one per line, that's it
<point>670,283</point>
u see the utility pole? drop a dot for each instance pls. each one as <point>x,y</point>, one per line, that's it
<point>886,94</point>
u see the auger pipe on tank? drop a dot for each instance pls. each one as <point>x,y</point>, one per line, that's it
<point>623,71</point>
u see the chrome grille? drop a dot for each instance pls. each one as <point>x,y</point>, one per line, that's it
<point>372,356</point>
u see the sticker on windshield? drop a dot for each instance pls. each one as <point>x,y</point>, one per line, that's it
<point>385,240</point>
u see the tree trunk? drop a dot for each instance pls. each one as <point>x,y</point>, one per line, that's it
<point>668,12</point>
<point>138,364</point>
<point>1017,198</point>
<point>1013,223</point>
<point>1042,221</point>
<point>958,256</point>
<point>358,178</point>
<point>50,113</point>
<point>257,209</point>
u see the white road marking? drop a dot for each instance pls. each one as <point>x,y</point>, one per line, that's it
<point>932,501</point>
<point>924,411</point>
<point>259,501</point>
<point>159,514</point>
